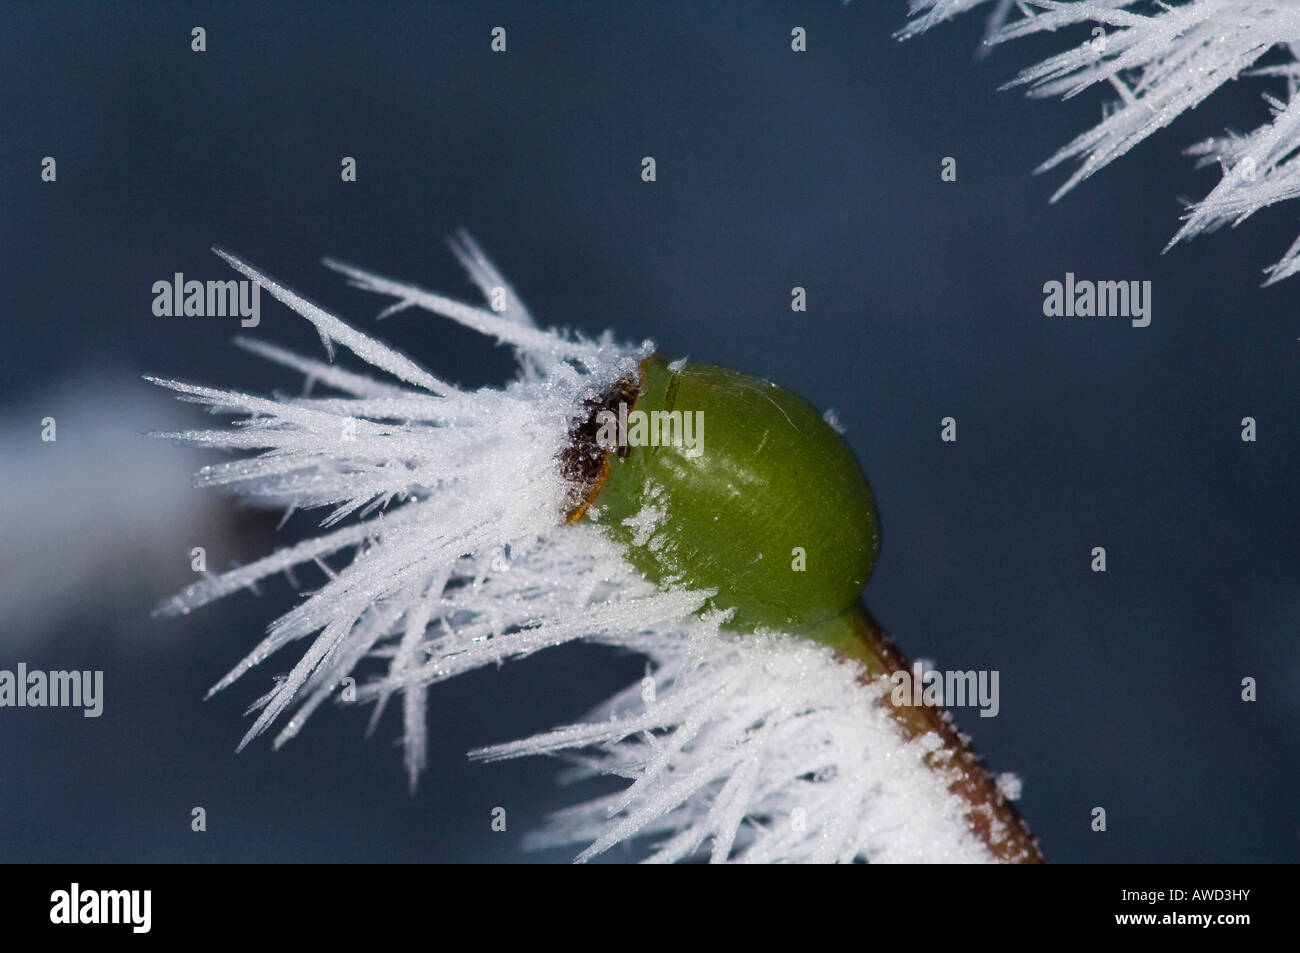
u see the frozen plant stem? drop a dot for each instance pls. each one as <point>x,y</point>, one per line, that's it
<point>857,635</point>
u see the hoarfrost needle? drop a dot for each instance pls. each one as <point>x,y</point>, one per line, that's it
<point>1161,60</point>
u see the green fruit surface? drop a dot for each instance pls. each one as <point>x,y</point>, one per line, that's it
<point>772,477</point>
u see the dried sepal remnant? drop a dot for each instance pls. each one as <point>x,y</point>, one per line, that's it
<point>584,462</point>
<point>1161,60</point>
<point>444,550</point>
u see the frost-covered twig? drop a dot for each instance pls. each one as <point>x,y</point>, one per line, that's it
<point>445,549</point>
<point>1161,60</point>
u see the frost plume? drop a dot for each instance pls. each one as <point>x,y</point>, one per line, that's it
<point>1161,60</point>
<point>443,550</point>
<point>757,749</point>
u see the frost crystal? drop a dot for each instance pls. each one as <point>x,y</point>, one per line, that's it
<point>1161,60</point>
<point>444,550</point>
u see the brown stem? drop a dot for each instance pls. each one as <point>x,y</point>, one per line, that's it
<point>991,816</point>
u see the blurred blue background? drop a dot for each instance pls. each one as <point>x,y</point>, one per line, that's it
<point>775,169</point>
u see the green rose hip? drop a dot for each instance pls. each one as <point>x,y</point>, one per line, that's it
<point>716,479</point>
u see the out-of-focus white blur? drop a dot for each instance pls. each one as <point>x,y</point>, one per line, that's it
<point>98,524</point>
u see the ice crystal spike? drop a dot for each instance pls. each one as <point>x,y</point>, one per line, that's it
<point>1161,60</point>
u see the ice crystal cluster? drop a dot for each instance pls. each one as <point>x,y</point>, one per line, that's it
<point>1160,60</point>
<point>443,549</point>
